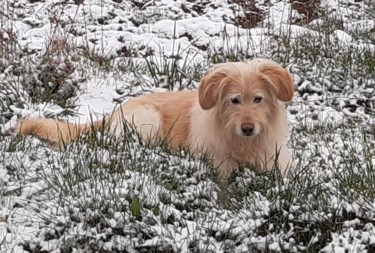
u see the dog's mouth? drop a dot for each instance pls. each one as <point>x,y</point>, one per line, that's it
<point>248,134</point>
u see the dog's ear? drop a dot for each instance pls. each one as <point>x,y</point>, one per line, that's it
<point>281,80</point>
<point>209,88</point>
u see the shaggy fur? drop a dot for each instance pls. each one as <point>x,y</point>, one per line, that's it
<point>237,117</point>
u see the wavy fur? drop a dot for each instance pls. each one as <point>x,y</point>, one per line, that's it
<point>237,117</point>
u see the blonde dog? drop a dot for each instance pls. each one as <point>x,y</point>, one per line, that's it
<point>237,118</point>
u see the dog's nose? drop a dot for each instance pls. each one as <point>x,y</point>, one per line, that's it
<point>247,129</point>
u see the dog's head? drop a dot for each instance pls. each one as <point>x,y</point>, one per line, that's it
<point>246,95</point>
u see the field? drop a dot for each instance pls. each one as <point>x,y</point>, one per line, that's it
<point>77,60</point>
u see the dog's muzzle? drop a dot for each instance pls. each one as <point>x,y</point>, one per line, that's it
<point>247,129</point>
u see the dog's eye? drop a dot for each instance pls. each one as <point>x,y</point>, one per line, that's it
<point>257,100</point>
<point>235,101</point>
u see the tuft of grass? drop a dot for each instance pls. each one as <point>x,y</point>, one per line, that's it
<point>177,71</point>
<point>232,49</point>
<point>53,81</point>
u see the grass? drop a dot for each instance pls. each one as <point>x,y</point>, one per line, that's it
<point>109,195</point>
<point>121,190</point>
<point>173,71</point>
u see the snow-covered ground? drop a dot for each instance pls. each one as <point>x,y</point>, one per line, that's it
<point>89,55</point>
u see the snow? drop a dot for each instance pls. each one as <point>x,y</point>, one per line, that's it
<point>360,26</point>
<point>185,212</point>
<point>281,13</point>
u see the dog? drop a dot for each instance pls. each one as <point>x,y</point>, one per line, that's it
<point>237,117</point>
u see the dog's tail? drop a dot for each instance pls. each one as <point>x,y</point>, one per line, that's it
<point>57,133</point>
